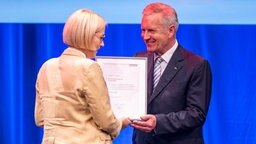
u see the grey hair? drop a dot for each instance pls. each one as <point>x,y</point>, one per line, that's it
<point>168,13</point>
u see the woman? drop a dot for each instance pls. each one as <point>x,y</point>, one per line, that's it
<point>72,101</point>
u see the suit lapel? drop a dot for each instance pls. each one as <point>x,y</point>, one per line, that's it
<point>150,75</point>
<point>169,73</point>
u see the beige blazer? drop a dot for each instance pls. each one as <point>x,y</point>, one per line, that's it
<point>72,101</point>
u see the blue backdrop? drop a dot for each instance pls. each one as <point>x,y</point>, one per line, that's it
<point>229,48</point>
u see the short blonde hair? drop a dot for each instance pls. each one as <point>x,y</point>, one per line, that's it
<point>80,28</point>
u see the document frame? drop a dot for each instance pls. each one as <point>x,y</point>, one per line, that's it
<point>126,79</point>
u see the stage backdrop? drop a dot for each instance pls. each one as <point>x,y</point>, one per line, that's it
<point>221,31</point>
<point>230,50</point>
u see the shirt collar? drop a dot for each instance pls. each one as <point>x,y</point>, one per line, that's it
<point>168,55</point>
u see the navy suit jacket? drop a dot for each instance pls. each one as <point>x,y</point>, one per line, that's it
<point>180,101</point>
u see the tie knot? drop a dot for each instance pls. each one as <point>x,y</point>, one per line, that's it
<point>159,60</point>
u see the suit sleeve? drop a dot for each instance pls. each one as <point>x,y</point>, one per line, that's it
<point>99,103</point>
<point>197,101</point>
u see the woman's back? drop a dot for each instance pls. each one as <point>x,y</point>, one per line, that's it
<point>74,100</point>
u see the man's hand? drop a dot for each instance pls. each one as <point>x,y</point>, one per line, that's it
<point>146,124</point>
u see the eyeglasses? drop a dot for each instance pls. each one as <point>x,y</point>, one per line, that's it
<point>102,37</point>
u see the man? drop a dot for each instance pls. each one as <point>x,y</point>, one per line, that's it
<point>177,103</point>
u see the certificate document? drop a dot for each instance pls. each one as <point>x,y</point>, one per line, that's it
<point>126,79</point>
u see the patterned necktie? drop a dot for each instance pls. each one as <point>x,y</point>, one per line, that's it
<point>157,71</point>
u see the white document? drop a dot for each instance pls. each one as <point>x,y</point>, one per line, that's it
<point>126,79</point>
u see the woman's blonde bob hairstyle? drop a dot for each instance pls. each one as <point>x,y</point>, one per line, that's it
<point>81,27</point>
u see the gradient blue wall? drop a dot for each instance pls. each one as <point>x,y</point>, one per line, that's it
<point>228,45</point>
<point>229,49</point>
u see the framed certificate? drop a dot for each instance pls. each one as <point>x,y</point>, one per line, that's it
<point>126,79</point>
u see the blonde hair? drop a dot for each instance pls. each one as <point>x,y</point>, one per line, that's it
<point>168,13</point>
<point>80,28</point>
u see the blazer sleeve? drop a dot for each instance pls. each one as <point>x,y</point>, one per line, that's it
<point>38,112</point>
<point>97,97</point>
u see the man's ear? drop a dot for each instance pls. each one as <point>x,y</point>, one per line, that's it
<point>171,31</point>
